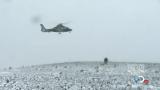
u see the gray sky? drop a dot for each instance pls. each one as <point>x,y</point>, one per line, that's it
<point>123,30</point>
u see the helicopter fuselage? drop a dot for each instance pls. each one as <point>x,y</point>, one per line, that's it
<point>59,28</point>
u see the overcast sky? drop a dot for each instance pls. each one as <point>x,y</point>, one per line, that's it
<point>122,30</point>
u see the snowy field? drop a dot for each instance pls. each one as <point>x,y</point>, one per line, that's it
<point>79,76</point>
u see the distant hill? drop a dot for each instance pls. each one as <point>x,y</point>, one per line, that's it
<point>81,76</point>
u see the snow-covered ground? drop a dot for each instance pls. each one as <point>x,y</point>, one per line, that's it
<point>79,76</point>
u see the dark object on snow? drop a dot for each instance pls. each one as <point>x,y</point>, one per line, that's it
<point>59,28</point>
<point>105,60</point>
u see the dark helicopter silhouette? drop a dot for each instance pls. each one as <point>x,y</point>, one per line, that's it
<point>59,28</point>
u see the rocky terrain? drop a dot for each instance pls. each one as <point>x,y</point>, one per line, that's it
<point>82,76</point>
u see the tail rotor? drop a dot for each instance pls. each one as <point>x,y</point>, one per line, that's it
<point>43,29</point>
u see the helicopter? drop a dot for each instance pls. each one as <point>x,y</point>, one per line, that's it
<point>58,28</point>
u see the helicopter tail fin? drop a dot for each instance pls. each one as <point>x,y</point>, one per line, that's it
<point>43,29</point>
